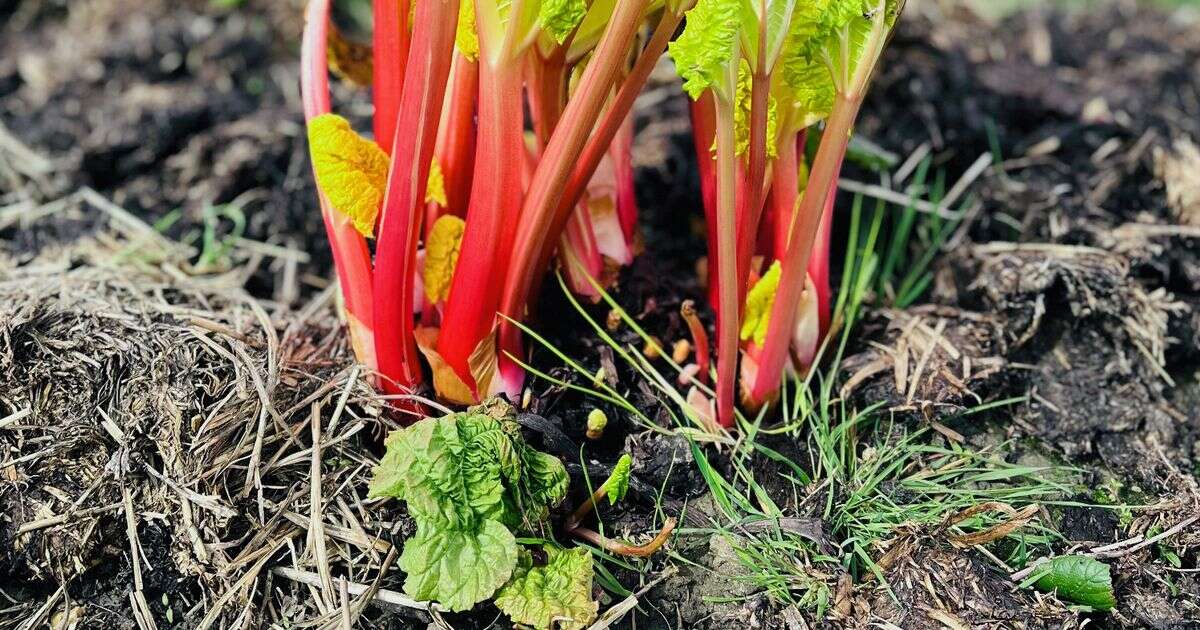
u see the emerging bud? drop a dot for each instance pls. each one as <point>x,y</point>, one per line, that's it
<point>596,421</point>
<point>681,350</point>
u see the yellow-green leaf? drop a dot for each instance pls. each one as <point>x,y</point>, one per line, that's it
<point>441,255</point>
<point>435,186</point>
<point>758,306</point>
<point>557,594</point>
<point>351,170</point>
<point>467,39</point>
<point>705,48</point>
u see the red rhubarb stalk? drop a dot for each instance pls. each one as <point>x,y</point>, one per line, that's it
<point>495,205</point>
<point>400,224</point>
<point>390,43</point>
<point>564,171</point>
<point>351,256</point>
<point>821,182</point>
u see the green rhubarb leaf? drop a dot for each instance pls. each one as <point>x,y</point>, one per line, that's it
<point>458,568</point>
<point>469,480</point>
<point>807,86</point>
<point>1078,579</point>
<point>555,595</point>
<point>543,484</point>
<point>703,52</point>
<point>559,17</point>
<point>759,301</point>
<point>617,484</point>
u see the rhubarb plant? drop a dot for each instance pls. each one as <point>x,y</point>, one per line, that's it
<point>467,212</point>
<point>761,74</point>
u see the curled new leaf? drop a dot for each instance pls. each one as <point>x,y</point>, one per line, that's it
<point>618,482</point>
<point>758,306</point>
<point>441,255</point>
<point>435,187</point>
<point>351,170</point>
<point>466,40</point>
<point>555,595</point>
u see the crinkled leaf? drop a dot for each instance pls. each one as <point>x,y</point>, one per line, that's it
<point>758,305</point>
<point>458,568</point>
<point>808,88</point>
<point>448,469</point>
<point>351,170</point>
<point>466,39</point>
<point>435,186</point>
<point>618,482</point>
<point>556,595</point>
<point>703,52</point>
<point>441,255</point>
<point>466,478</point>
<point>1079,579</point>
<point>559,17</point>
<point>543,484</point>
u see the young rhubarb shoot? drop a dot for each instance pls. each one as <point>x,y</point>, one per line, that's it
<point>571,157</point>
<point>615,488</point>
<point>845,41</point>
<point>787,60</point>
<point>350,252</point>
<point>424,89</point>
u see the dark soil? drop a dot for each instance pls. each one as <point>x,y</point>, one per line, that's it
<point>1074,284</point>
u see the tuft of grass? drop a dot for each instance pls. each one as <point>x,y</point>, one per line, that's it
<point>865,476</point>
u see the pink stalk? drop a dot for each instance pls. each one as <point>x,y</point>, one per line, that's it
<point>818,263</point>
<point>750,202</point>
<point>456,134</point>
<point>583,263</point>
<point>351,256</point>
<point>621,152</point>
<point>390,54</point>
<point>703,114</point>
<point>800,247</point>
<point>563,172</point>
<point>821,186</point>
<point>494,211</point>
<point>400,224</point>
<point>728,291</point>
